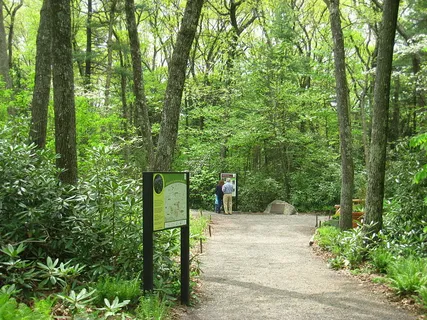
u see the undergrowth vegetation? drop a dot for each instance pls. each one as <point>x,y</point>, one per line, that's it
<point>76,251</point>
<point>399,251</point>
<point>401,270</point>
<point>258,104</point>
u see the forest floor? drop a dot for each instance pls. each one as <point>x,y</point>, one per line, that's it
<point>260,266</point>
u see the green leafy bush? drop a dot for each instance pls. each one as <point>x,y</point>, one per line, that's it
<point>108,216</point>
<point>314,189</point>
<point>94,128</point>
<point>352,247</point>
<point>348,247</point>
<point>98,220</point>
<point>78,301</point>
<point>380,258</point>
<point>96,224</point>
<point>403,227</point>
<point>15,272</point>
<point>114,307</point>
<point>257,192</point>
<point>55,273</point>
<point>337,262</point>
<point>202,189</point>
<point>327,237</point>
<point>10,309</point>
<point>167,269</point>
<point>406,209</point>
<point>24,276</point>
<point>33,203</point>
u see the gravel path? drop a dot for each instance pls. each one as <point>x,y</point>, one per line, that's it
<point>261,267</point>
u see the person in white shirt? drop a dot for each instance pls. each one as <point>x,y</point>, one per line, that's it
<point>228,189</point>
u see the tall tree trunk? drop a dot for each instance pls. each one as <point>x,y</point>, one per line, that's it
<point>109,71</point>
<point>365,129</point>
<point>138,83</point>
<point>176,79</point>
<point>419,96</point>
<point>347,168</point>
<point>238,25</point>
<point>88,66</point>
<point>12,11</point>
<point>4,59</point>
<point>43,76</point>
<point>80,64</point>
<point>125,108</point>
<point>377,157</point>
<point>63,91</point>
<point>394,129</point>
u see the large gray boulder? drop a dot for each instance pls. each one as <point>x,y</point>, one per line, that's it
<point>281,207</point>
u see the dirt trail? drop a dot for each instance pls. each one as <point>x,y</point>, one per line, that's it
<point>261,267</point>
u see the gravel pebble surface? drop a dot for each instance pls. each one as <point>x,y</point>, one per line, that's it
<point>260,266</point>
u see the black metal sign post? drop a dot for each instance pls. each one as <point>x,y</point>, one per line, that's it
<point>147,231</point>
<point>185,257</point>
<point>165,196</point>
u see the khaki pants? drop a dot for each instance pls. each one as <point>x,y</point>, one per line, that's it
<point>228,203</point>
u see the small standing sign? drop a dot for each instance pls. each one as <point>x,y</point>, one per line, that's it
<point>165,197</point>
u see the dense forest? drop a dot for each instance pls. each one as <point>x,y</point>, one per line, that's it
<point>314,102</point>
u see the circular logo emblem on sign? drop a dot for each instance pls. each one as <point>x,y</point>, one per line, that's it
<point>158,183</point>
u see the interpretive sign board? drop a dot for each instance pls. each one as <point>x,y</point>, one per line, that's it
<point>170,200</point>
<point>165,205</point>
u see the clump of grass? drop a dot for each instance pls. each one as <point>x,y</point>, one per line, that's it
<point>422,292</point>
<point>326,237</point>
<point>152,307</point>
<point>380,258</point>
<point>407,276</point>
<point>336,263</point>
<point>198,228</point>
<point>110,288</point>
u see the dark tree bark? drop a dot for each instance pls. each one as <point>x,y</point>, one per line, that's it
<point>238,24</point>
<point>365,128</point>
<point>12,12</point>
<point>394,128</point>
<point>366,87</point>
<point>238,28</point>
<point>42,82</point>
<point>377,157</point>
<point>138,83</point>
<point>88,66</point>
<point>176,79</point>
<point>63,91</point>
<point>109,72</point>
<point>419,96</point>
<point>4,59</point>
<point>347,168</point>
<point>125,107</point>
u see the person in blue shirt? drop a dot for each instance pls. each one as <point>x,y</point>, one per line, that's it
<point>218,196</point>
<point>228,189</point>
